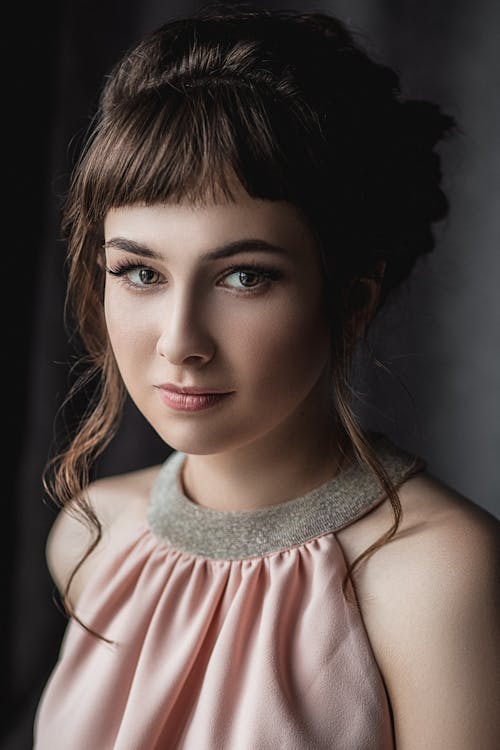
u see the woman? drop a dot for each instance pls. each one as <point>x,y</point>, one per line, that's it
<point>253,190</point>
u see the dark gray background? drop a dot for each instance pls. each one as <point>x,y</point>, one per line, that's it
<point>440,338</point>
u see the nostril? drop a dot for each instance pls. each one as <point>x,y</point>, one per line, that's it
<point>181,352</point>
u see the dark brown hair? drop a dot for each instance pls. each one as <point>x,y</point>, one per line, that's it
<point>290,105</point>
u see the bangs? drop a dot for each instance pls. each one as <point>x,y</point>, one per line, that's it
<point>172,145</point>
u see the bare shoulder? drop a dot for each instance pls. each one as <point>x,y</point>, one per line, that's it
<point>430,508</point>
<point>442,535</point>
<point>119,502</point>
<point>430,600</point>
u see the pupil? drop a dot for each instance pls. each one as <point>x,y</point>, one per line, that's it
<point>244,277</point>
<point>146,275</point>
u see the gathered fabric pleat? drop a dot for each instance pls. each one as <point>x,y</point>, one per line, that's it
<point>216,654</point>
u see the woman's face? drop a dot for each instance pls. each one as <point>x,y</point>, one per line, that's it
<point>192,300</point>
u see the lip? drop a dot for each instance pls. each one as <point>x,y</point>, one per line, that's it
<point>190,389</point>
<point>191,402</point>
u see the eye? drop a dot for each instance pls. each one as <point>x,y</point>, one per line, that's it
<point>251,277</point>
<point>248,279</point>
<point>143,276</point>
<point>135,275</point>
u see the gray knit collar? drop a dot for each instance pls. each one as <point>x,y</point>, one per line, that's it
<point>186,526</point>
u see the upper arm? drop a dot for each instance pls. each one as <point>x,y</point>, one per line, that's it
<point>437,626</point>
<point>118,502</point>
<point>68,540</point>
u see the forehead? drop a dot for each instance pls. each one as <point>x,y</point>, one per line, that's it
<point>198,227</point>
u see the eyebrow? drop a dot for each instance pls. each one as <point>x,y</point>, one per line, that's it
<point>222,251</point>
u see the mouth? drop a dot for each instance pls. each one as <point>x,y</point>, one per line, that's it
<point>188,400</point>
<point>191,389</point>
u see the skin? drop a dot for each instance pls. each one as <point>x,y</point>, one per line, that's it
<point>430,598</point>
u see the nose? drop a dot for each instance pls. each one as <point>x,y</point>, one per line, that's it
<point>184,336</point>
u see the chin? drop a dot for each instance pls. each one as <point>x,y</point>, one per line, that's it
<point>200,442</point>
<point>205,439</point>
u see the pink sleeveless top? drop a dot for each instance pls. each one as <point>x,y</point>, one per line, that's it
<point>231,630</point>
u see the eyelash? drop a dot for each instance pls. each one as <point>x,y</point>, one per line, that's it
<point>269,274</point>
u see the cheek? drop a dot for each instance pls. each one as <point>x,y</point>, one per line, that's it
<point>129,326</point>
<point>286,345</point>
